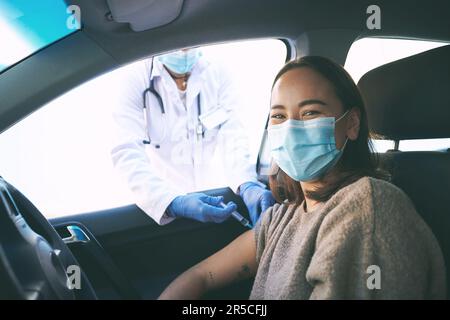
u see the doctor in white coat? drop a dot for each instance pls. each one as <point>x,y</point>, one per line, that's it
<point>178,132</point>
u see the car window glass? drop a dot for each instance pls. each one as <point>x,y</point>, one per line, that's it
<point>60,155</point>
<point>27,26</point>
<point>369,53</point>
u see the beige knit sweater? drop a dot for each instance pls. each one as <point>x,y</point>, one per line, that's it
<point>366,242</point>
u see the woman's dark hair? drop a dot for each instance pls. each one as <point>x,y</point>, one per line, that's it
<point>358,159</point>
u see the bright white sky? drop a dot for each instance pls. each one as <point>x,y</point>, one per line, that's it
<point>18,46</point>
<point>59,156</point>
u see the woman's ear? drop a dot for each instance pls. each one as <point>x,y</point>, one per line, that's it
<point>353,123</point>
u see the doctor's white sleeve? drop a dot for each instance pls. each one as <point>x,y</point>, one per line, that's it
<point>151,194</point>
<point>235,151</point>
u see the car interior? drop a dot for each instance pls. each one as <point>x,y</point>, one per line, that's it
<point>122,252</point>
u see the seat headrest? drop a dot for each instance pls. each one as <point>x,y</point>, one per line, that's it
<point>410,98</point>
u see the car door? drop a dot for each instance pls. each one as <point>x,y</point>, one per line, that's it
<point>126,255</point>
<point>67,173</point>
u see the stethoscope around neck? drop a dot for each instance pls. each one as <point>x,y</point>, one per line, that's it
<point>151,89</point>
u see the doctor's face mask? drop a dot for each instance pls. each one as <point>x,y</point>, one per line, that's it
<point>181,61</point>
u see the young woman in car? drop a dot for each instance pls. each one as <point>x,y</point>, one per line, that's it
<point>340,231</point>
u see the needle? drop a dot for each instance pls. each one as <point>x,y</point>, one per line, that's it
<point>239,217</point>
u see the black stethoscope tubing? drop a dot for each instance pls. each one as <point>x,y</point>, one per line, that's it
<point>158,97</point>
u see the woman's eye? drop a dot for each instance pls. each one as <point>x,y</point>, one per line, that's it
<point>310,114</point>
<point>277,116</point>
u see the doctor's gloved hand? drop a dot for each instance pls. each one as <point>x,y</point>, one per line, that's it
<point>256,198</point>
<point>201,207</point>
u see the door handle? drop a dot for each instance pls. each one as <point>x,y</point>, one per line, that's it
<point>76,235</point>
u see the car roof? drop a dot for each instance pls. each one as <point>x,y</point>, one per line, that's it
<point>312,26</point>
<point>205,21</point>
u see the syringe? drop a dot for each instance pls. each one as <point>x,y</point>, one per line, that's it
<point>239,217</point>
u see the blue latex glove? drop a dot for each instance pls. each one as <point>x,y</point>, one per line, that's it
<point>201,207</point>
<point>256,198</point>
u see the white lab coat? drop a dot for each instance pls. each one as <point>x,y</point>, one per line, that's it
<point>185,162</point>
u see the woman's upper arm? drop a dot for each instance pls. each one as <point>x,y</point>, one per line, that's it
<point>237,261</point>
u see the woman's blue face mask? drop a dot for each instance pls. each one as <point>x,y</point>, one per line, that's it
<point>305,150</point>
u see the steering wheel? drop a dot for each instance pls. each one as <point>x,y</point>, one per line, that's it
<point>34,261</point>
